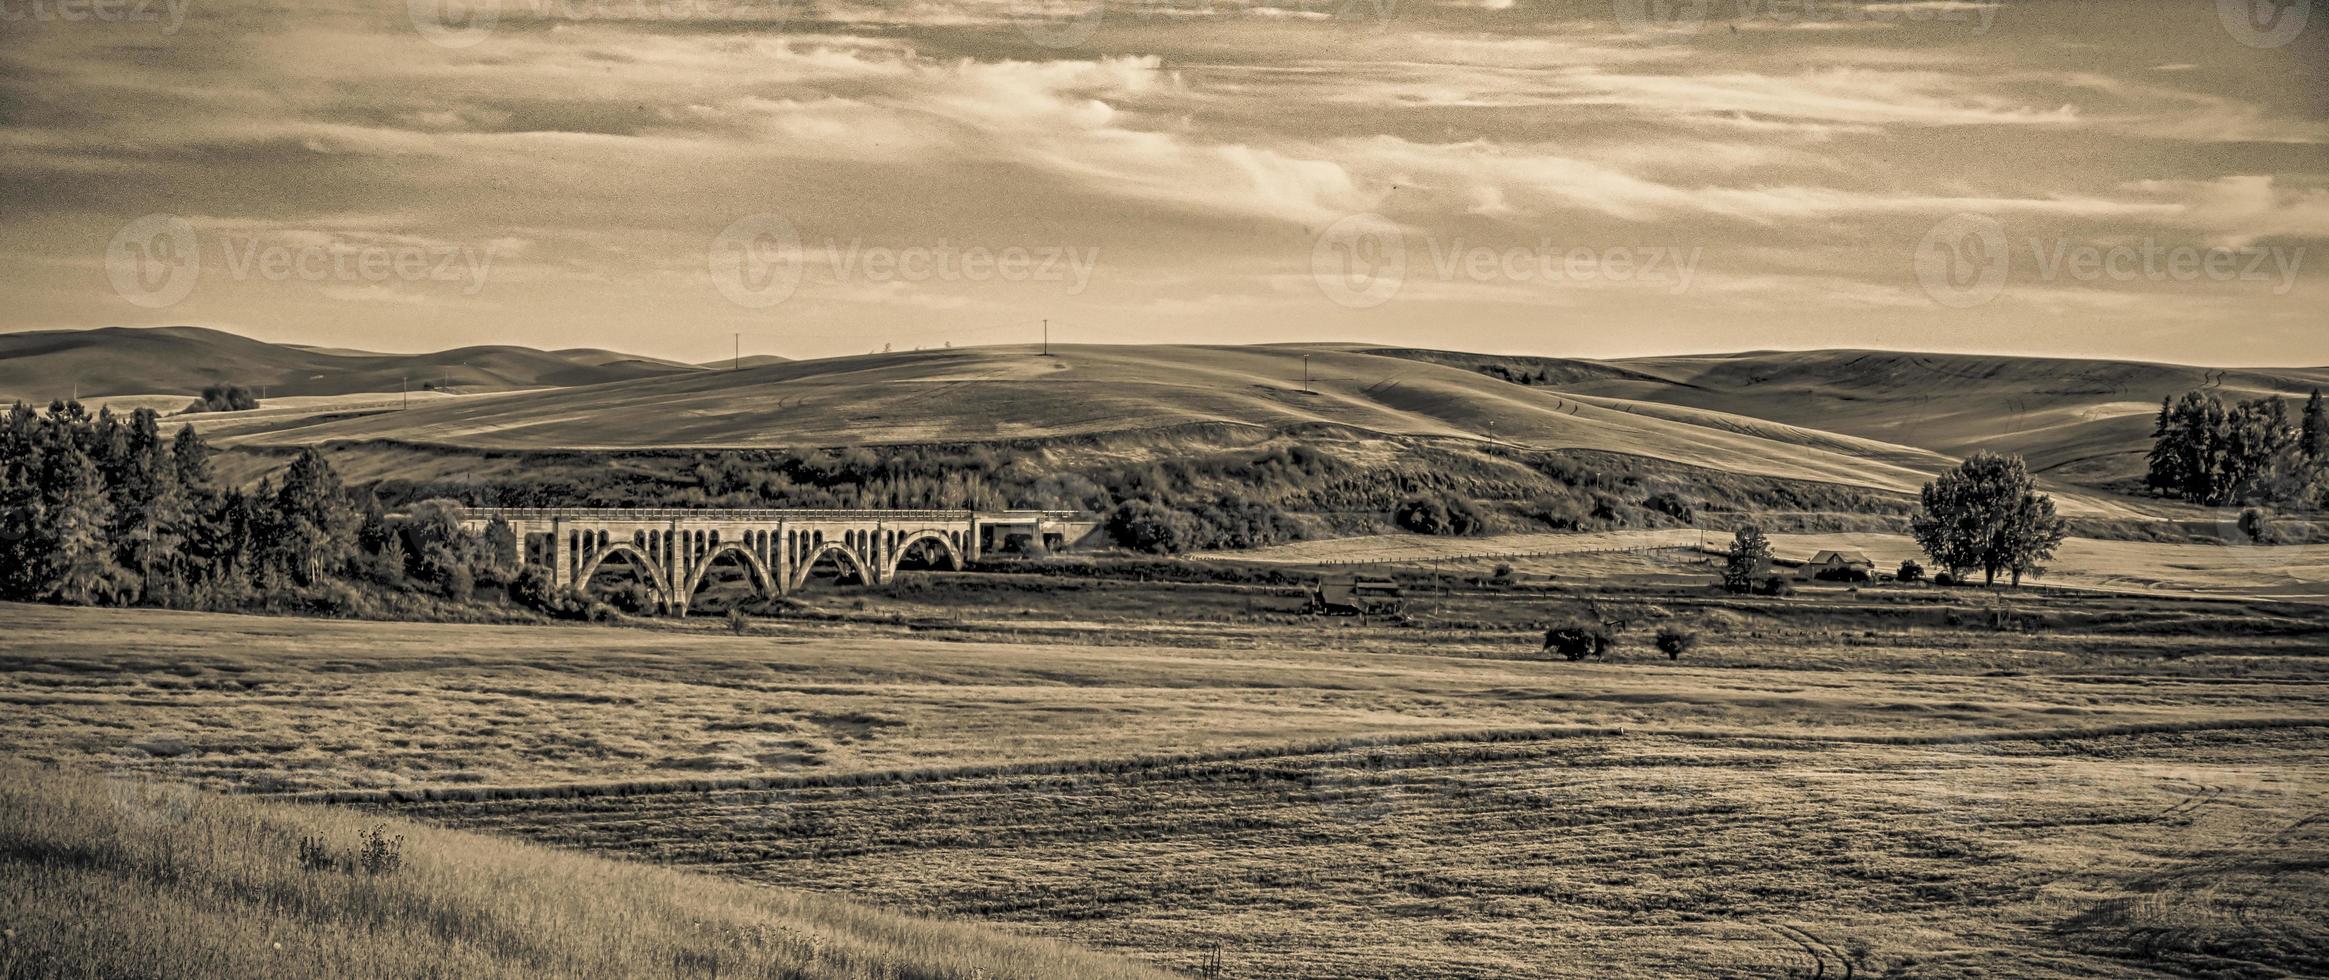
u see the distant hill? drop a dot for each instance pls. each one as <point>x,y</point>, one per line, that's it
<point>997,394</point>
<point>38,366</point>
<point>2080,420</point>
<point>748,361</point>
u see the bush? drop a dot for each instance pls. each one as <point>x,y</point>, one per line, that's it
<point>2256,523</point>
<point>737,624</point>
<point>1910,571</point>
<point>1671,506</point>
<point>531,588</point>
<point>1154,528</point>
<point>1845,574</point>
<point>1775,586</point>
<point>633,598</point>
<point>1579,641</point>
<point>1674,641</point>
<point>1503,572</point>
<point>223,398</point>
<point>1945,579</point>
<point>1440,515</point>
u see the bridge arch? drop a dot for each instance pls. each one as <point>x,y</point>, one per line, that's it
<point>842,554</point>
<point>755,569</point>
<point>638,560</point>
<point>906,541</point>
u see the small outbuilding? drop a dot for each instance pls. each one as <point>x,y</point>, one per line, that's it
<point>1838,564</point>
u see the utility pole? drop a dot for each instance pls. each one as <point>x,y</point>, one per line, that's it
<point>1306,374</point>
<point>736,363</point>
<point>404,387</point>
<point>1047,337</point>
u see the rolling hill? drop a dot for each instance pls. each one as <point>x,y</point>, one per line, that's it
<point>2078,420</point>
<point>38,366</point>
<point>1010,393</point>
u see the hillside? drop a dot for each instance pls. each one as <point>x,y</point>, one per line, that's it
<point>138,878</point>
<point>38,366</point>
<point>1011,393</point>
<point>2078,420</point>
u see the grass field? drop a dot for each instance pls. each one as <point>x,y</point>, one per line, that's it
<point>2298,572</point>
<point>1808,793</point>
<point>123,878</point>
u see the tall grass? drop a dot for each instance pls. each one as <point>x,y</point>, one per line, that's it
<point>102,878</point>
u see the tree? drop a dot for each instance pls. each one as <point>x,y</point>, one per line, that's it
<point>1674,641</point>
<point>1910,571</point>
<point>1749,555</point>
<point>74,555</point>
<point>315,532</point>
<point>203,535</point>
<point>1987,514</point>
<point>2313,433</point>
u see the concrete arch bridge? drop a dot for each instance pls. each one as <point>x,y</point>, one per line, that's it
<point>672,549</point>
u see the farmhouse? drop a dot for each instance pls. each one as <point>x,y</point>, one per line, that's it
<point>1837,561</point>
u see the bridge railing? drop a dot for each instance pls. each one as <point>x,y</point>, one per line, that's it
<point>716,514</point>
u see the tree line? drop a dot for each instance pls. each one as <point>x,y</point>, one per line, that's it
<point>2219,453</point>
<point>1986,515</point>
<point>105,510</point>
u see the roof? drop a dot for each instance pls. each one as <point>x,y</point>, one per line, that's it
<point>1846,557</point>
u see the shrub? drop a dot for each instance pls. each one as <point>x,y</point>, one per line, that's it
<point>1503,572</point>
<point>2256,523</point>
<point>1440,515</point>
<point>1675,641</point>
<point>1143,526</point>
<point>1671,506</point>
<point>1845,574</point>
<point>1775,586</point>
<point>633,598</point>
<point>737,624</point>
<point>1910,571</point>
<point>1578,641</point>
<point>1945,579</point>
<point>223,398</point>
<point>531,588</point>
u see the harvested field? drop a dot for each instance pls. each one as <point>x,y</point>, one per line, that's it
<point>1793,798</point>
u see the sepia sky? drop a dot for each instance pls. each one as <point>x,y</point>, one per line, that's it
<point>2114,178</point>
